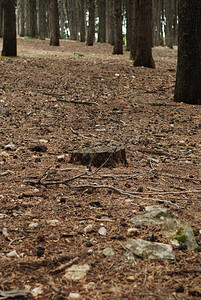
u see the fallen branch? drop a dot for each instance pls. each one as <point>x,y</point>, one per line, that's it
<point>64,266</point>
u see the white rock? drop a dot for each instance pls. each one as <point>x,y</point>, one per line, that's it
<point>102,231</point>
<point>37,291</point>
<point>33,225</point>
<point>88,228</point>
<point>76,272</point>
<point>132,232</point>
<point>74,296</point>
<point>12,254</point>
<point>53,222</point>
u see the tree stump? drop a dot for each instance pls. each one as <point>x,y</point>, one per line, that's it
<point>111,158</point>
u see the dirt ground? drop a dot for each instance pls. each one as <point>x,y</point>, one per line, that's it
<point>77,97</point>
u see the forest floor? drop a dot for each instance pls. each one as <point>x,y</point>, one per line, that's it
<point>77,97</point>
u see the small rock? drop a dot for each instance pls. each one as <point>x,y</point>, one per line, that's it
<point>10,147</point>
<point>12,254</point>
<point>102,231</point>
<point>132,232</point>
<point>38,148</point>
<point>89,228</point>
<point>53,222</point>
<point>128,258</point>
<point>61,158</point>
<point>91,286</point>
<point>131,278</point>
<point>4,112</point>
<point>108,252</point>
<point>37,291</point>
<point>33,225</point>
<point>74,296</point>
<point>76,272</point>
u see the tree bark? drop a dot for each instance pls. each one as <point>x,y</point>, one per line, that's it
<point>118,37</point>
<point>102,21</point>
<point>143,23</point>
<point>109,22</point>
<point>129,23</point>
<point>54,23</point>
<point>188,86</point>
<point>42,22</point>
<point>9,29</point>
<point>72,12</point>
<point>91,28</point>
<point>1,18</point>
<point>33,18</point>
<point>82,20</point>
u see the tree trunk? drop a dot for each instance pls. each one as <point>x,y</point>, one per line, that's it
<point>9,29</point>
<point>82,20</point>
<point>54,23</point>
<point>169,11</point>
<point>91,28</point>
<point>1,18</point>
<point>72,12</point>
<point>188,87</point>
<point>33,18</point>
<point>42,19</point>
<point>109,22</point>
<point>102,21</point>
<point>143,15</point>
<point>118,37</point>
<point>129,23</point>
<point>21,20</point>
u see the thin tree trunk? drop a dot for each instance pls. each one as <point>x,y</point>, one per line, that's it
<point>42,19</point>
<point>102,21</point>
<point>33,18</point>
<point>1,18</point>
<point>54,23</point>
<point>129,23</point>
<point>9,29</point>
<point>82,20</point>
<point>188,87</point>
<point>118,37</point>
<point>109,22</point>
<point>91,28</point>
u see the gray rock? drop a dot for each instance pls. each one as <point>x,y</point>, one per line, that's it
<point>4,112</point>
<point>108,252</point>
<point>150,250</point>
<point>155,215</point>
<point>128,258</point>
<point>180,233</point>
<point>76,272</point>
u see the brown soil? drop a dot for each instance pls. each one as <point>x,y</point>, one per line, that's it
<point>121,106</point>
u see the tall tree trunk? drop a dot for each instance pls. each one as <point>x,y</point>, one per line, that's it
<point>169,11</point>
<point>33,18</point>
<point>91,28</point>
<point>42,19</point>
<point>109,22</point>
<point>9,29</point>
<point>102,21</point>
<point>129,23</point>
<point>82,23</point>
<point>188,87</point>
<point>54,23</point>
<point>1,18</point>
<point>118,37</point>
<point>21,21</point>
<point>143,15</point>
<point>72,11</point>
